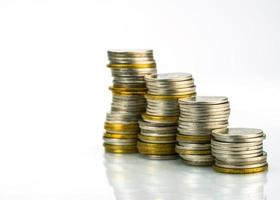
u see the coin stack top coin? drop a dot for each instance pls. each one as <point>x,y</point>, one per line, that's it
<point>198,117</point>
<point>159,125</point>
<point>128,69</point>
<point>238,150</point>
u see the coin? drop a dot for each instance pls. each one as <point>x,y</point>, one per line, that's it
<point>161,157</point>
<point>200,115</point>
<point>202,100</point>
<point>240,171</point>
<point>128,69</point>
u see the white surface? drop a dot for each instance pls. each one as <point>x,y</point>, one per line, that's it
<point>54,93</point>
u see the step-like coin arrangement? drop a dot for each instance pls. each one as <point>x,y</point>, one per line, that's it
<point>160,116</point>
<point>128,70</point>
<point>159,125</point>
<point>198,117</point>
<point>238,150</point>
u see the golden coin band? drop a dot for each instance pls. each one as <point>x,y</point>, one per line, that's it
<point>122,127</point>
<point>121,151</point>
<point>111,146</point>
<point>240,171</point>
<point>131,93</point>
<point>115,89</point>
<point>156,151</point>
<point>144,144</point>
<point>132,65</point>
<point>120,136</point>
<point>159,118</point>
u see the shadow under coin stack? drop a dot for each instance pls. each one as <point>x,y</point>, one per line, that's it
<point>128,69</point>
<point>198,117</point>
<point>159,126</point>
<point>238,150</point>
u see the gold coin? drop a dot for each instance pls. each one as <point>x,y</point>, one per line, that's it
<point>121,129</point>
<point>120,136</point>
<point>145,144</point>
<point>160,118</point>
<point>157,138</point>
<point>131,93</point>
<point>134,65</point>
<point>193,152</point>
<point>156,151</point>
<point>116,125</point>
<point>121,151</point>
<point>127,89</point>
<point>157,97</point>
<point>193,137</point>
<point>240,171</point>
<point>119,147</point>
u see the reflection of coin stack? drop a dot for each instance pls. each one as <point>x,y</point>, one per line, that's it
<point>239,187</point>
<point>159,125</point>
<point>128,69</point>
<point>238,150</point>
<point>198,117</point>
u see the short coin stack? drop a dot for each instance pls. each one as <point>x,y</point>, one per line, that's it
<point>128,69</point>
<point>159,126</point>
<point>198,117</point>
<point>238,150</point>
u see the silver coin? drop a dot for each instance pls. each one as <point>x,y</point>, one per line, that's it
<point>238,133</point>
<point>162,113</point>
<point>205,100</point>
<point>203,124</point>
<point>204,106</point>
<point>194,132</point>
<point>161,157</point>
<point>235,145</point>
<point>193,127</point>
<point>197,158</point>
<point>203,120</point>
<point>188,146</point>
<point>203,110</point>
<point>129,60</point>
<point>236,140</point>
<point>112,140</point>
<point>198,163</point>
<point>158,141</point>
<point>158,134</point>
<point>204,114</point>
<point>228,156</point>
<point>149,124</point>
<point>168,77</point>
<point>215,147</point>
<point>170,85</point>
<point>228,152</point>
<point>240,161</point>
<point>132,72</point>
<point>130,52</point>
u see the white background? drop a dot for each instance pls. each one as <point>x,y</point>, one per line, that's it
<point>54,93</point>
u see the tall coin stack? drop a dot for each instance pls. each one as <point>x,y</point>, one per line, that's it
<point>198,117</point>
<point>128,70</point>
<point>159,125</point>
<point>239,150</point>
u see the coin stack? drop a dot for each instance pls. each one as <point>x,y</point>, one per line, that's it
<point>159,125</point>
<point>128,69</point>
<point>238,150</point>
<point>198,117</point>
